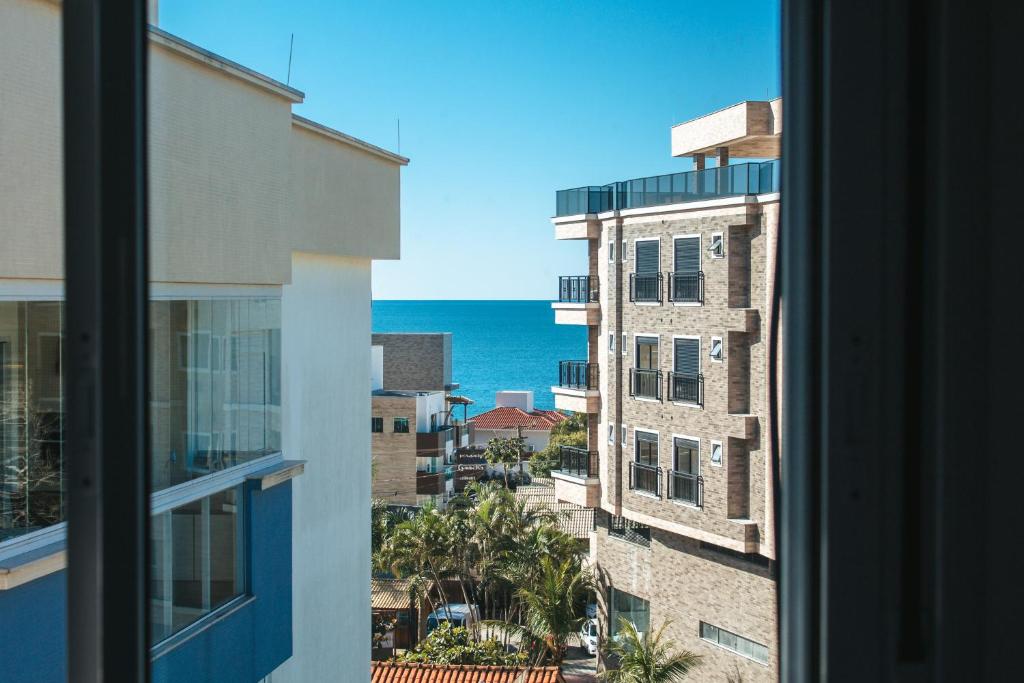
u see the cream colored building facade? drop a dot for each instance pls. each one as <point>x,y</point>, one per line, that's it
<point>248,201</point>
<point>677,303</point>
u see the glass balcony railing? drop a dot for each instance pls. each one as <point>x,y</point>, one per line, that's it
<point>756,177</point>
<point>577,289</point>
<point>577,374</point>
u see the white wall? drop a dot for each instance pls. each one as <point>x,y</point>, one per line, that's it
<point>376,367</point>
<point>539,439</point>
<point>326,423</point>
<point>514,399</point>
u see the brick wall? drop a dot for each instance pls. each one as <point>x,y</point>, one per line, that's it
<point>414,361</point>
<point>394,454</point>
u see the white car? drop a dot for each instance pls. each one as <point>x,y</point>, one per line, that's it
<point>588,636</point>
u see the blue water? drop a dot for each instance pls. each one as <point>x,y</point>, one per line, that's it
<point>496,345</point>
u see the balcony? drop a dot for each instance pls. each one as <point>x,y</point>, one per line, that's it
<point>686,487</point>
<point>430,483</point>
<point>645,383</point>
<point>577,301</point>
<point>463,434</point>
<point>686,288</point>
<point>436,444</point>
<point>686,388</point>
<point>645,287</point>
<point>674,188</point>
<point>645,479</point>
<point>576,479</point>
<point>577,388</point>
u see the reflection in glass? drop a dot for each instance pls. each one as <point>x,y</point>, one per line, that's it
<point>31,416</point>
<point>197,561</point>
<point>632,609</point>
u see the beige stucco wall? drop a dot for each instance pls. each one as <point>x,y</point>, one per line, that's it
<point>236,184</point>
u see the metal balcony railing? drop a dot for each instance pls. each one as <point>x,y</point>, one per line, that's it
<point>686,287</point>
<point>644,383</point>
<point>645,287</point>
<point>577,374</point>
<point>674,188</point>
<point>686,487</point>
<point>646,478</point>
<point>578,462</point>
<point>686,388</point>
<point>576,289</point>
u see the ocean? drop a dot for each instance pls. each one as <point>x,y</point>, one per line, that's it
<point>496,345</point>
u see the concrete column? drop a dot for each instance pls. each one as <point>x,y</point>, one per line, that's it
<point>723,155</point>
<point>721,177</point>
<point>698,162</point>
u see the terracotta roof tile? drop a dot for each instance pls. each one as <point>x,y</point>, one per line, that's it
<point>395,672</point>
<point>509,418</point>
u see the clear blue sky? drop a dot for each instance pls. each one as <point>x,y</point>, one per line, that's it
<point>501,104</point>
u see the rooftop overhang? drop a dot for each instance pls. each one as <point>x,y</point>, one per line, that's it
<point>750,129</point>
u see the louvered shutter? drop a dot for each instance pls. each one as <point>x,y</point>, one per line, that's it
<point>687,256</point>
<point>687,352</point>
<point>647,257</point>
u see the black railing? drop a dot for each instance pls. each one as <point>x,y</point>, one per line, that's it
<point>628,530</point>
<point>645,287</point>
<point>686,487</point>
<point>645,383</point>
<point>686,287</point>
<point>577,374</point>
<point>578,462</point>
<point>576,289</point>
<point>646,478</point>
<point>591,199</point>
<point>674,188</point>
<point>686,388</point>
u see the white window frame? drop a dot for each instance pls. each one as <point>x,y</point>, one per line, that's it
<point>611,249</point>
<point>700,264</point>
<point>647,239</point>
<point>625,434</point>
<point>699,367</point>
<point>611,341</point>
<point>624,345</point>
<point>632,459</point>
<point>720,236</point>
<point>721,341</point>
<point>711,453</point>
<point>611,433</point>
<point>625,251</point>
<point>700,466</point>
<point>633,366</point>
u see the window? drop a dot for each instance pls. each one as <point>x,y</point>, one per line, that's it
<point>716,349</point>
<point>624,344</point>
<point>734,643</point>
<point>647,353</point>
<point>684,483</point>
<point>645,281</point>
<point>622,429</point>
<point>611,250</point>
<point>611,433</point>
<point>625,251</point>
<point>717,246</point>
<point>716,453</point>
<point>624,606</point>
<point>646,379</point>
<point>197,560</point>
<point>686,455</point>
<point>687,280</point>
<point>376,425</point>
<point>611,340</point>
<point>646,448</point>
<point>686,383</point>
<point>401,425</point>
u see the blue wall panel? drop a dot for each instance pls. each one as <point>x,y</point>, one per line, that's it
<point>243,646</point>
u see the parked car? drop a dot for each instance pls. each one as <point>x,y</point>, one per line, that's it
<point>588,636</point>
<point>592,610</point>
<point>457,613</point>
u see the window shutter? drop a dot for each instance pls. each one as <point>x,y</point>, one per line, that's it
<point>687,256</point>
<point>687,353</point>
<point>647,257</point>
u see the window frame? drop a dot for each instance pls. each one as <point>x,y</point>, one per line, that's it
<point>374,421</point>
<point>395,422</point>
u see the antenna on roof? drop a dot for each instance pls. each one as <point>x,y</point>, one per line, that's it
<point>291,46</point>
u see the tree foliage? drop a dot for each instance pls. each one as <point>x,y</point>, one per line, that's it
<point>449,644</point>
<point>646,658</point>
<point>569,432</point>
<point>505,452</point>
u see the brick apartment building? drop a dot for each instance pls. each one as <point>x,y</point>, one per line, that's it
<point>677,303</point>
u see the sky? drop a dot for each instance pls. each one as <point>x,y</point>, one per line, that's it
<point>499,105</point>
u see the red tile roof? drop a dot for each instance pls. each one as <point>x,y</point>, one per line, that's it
<point>510,418</point>
<point>395,672</point>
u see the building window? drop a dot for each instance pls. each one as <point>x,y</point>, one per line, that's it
<point>401,425</point>
<point>716,453</point>
<point>611,250</point>
<point>611,433</point>
<point>625,346</point>
<point>717,246</point>
<point>197,562</point>
<point>644,474</point>
<point>625,251</point>
<point>686,382</point>
<point>611,340</point>
<point>622,430</point>
<point>624,606</point>
<point>734,643</point>
<point>377,425</point>
<point>628,530</point>
<point>685,483</point>
<point>646,379</point>
<point>716,349</point>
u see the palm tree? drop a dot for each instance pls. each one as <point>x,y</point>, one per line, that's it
<point>505,452</point>
<point>646,658</point>
<point>550,607</point>
<point>418,548</point>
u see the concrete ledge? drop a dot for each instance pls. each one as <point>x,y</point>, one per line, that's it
<point>277,474</point>
<point>750,129</point>
<point>32,565</point>
<point>577,400</point>
<point>584,226</point>
<point>577,314</point>
<point>583,491</point>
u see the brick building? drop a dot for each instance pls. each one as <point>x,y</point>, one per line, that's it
<point>677,303</point>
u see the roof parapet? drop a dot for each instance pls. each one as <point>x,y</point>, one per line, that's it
<point>751,129</point>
